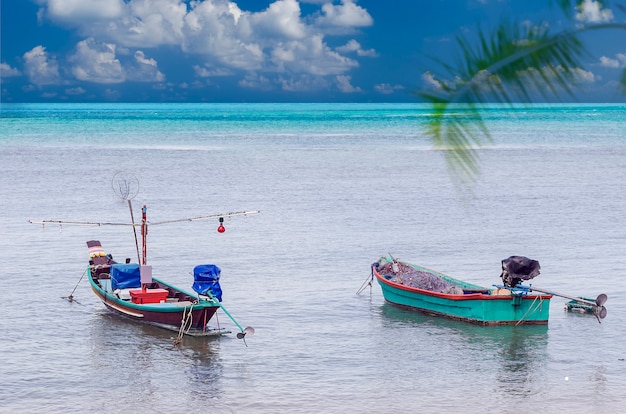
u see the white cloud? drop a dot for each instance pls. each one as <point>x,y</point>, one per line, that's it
<point>608,62</point>
<point>82,10</point>
<point>133,23</point>
<point>309,56</point>
<point>344,85</point>
<point>149,23</point>
<point>590,11</point>
<point>355,47</point>
<point>303,83</point>
<point>345,15</point>
<point>255,81</point>
<point>546,81</point>
<point>351,46</point>
<point>275,41</point>
<point>387,88</point>
<point>368,53</point>
<point>584,76</point>
<point>144,69</point>
<point>222,33</point>
<point>280,20</point>
<point>619,62</point>
<point>6,71</point>
<point>40,67</point>
<point>75,91</point>
<point>208,71</point>
<point>96,62</point>
<point>428,79</point>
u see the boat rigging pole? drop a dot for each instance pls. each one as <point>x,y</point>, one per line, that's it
<point>145,224</point>
<point>132,219</point>
<point>144,233</point>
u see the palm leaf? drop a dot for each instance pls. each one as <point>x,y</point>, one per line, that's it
<point>513,64</point>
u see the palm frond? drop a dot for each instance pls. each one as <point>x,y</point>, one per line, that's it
<point>513,64</point>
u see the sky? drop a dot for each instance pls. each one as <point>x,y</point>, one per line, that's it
<point>268,51</point>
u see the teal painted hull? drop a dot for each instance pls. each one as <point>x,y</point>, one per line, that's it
<point>477,304</point>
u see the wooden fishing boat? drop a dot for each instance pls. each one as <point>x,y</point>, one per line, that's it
<point>418,288</point>
<point>129,290</point>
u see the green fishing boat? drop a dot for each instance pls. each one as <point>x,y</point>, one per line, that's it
<point>418,288</point>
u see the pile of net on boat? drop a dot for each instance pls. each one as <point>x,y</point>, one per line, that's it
<point>406,275</point>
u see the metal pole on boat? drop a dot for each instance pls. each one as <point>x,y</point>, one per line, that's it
<point>244,332</point>
<point>132,220</point>
<point>126,186</point>
<point>598,305</point>
<point>144,233</point>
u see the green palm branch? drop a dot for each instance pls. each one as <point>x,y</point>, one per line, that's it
<point>513,64</point>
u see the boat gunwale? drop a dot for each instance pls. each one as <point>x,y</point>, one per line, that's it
<point>463,297</point>
<point>108,297</point>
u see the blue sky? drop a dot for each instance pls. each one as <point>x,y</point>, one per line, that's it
<point>266,51</point>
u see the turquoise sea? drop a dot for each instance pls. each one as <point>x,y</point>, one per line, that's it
<point>338,185</point>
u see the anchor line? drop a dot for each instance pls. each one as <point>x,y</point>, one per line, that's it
<point>185,323</point>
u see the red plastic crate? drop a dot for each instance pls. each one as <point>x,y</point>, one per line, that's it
<point>148,296</point>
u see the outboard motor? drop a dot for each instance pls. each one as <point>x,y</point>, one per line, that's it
<point>518,268</point>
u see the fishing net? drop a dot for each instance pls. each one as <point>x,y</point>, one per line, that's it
<point>406,275</point>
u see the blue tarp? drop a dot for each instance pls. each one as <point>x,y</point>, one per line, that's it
<point>206,278</point>
<point>125,276</point>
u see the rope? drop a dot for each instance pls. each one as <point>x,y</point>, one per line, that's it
<point>368,282</point>
<point>71,296</point>
<point>531,308</point>
<point>185,324</point>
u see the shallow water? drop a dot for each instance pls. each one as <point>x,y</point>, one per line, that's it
<point>337,186</point>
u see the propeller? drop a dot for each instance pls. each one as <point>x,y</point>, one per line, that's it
<point>242,334</point>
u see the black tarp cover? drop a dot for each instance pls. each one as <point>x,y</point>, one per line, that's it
<point>518,268</point>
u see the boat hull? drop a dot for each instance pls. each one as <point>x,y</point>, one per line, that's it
<point>485,308</point>
<point>190,315</point>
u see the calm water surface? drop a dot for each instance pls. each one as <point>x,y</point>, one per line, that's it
<point>337,186</point>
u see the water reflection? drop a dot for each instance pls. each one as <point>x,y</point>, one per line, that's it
<point>143,361</point>
<point>523,356</point>
<point>204,368</point>
<point>598,379</point>
<point>512,358</point>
